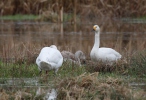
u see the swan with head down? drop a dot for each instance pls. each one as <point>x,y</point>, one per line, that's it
<point>105,55</point>
<point>49,58</point>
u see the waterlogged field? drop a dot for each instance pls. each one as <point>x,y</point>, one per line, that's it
<point>21,42</point>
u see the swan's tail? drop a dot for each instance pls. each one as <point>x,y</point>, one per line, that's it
<point>45,66</point>
<point>118,55</point>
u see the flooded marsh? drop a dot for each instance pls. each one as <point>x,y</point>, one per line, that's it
<point>21,42</point>
<point>26,26</point>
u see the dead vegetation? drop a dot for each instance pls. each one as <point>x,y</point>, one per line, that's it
<point>84,8</point>
<point>89,87</point>
<point>119,67</point>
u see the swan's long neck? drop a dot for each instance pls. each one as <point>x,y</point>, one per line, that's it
<point>97,40</point>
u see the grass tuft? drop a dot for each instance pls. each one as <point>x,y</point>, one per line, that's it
<point>138,65</point>
<point>9,70</point>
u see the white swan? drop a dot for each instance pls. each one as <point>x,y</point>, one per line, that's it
<point>106,55</point>
<point>49,59</point>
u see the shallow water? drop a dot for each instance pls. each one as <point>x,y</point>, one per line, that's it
<point>35,83</point>
<point>18,82</point>
<point>137,85</point>
<point>116,34</point>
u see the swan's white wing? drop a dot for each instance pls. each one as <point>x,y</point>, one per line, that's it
<point>108,53</point>
<point>51,56</point>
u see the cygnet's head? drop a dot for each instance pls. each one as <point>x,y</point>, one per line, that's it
<point>96,28</point>
<point>53,46</point>
<point>79,54</point>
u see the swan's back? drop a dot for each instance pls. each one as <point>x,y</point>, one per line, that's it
<point>108,51</point>
<point>50,57</point>
<point>108,54</point>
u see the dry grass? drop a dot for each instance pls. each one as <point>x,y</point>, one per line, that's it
<point>29,47</point>
<point>119,67</point>
<point>84,8</point>
<point>24,54</point>
<point>88,87</point>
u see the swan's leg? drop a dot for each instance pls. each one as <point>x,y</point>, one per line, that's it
<point>79,62</point>
<point>56,70</point>
<point>46,76</point>
<point>40,72</point>
<point>46,72</point>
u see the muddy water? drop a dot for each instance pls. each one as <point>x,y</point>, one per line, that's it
<point>124,36</point>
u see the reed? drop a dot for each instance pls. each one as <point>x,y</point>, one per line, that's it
<point>133,65</point>
<point>85,8</point>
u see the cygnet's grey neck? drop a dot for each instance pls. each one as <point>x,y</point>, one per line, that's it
<point>97,39</point>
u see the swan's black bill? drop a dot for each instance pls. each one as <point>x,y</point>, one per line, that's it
<point>93,30</point>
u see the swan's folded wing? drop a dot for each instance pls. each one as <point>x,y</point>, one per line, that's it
<point>109,51</point>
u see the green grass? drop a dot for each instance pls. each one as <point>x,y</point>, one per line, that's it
<point>71,78</point>
<point>19,17</point>
<point>9,70</point>
<point>142,17</point>
<point>138,65</point>
<point>66,17</point>
<point>74,77</point>
<point>136,68</point>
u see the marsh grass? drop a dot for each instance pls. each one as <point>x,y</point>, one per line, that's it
<point>73,82</point>
<point>10,70</point>
<point>138,64</point>
<point>88,10</point>
<point>88,86</point>
<point>24,62</point>
<point>91,81</point>
<point>120,67</point>
<point>76,82</point>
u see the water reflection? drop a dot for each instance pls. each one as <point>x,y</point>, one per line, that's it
<point>32,36</point>
<point>19,82</point>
